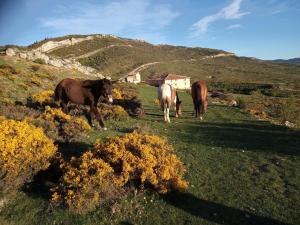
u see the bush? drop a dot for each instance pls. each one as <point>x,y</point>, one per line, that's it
<point>145,158</point>
<point>18,112</point>
<point>85,183</point>
<point>289,110</point>
<point>116,94</point>
<point>241,103</point>
<point>43,98</point>
<point>59,125</point>
<point>97,174</point>
<point>6,70</point>
<point>24,150</point>
<point>114,112</point>
<point>39,61</point>
<point>35,68</point>
<point>36,81</point>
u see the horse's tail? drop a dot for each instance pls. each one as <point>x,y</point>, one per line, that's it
<point>197,100</point>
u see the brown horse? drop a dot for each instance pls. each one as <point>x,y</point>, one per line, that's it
<point>199,95</point>
<point>84,92</point>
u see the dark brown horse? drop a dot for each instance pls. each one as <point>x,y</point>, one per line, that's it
<point>199,95</point>
<point>84,92</point>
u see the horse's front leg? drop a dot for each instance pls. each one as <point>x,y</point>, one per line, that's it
<point>64,107</point>
<point>98,116</point>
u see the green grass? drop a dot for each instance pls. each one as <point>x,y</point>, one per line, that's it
<point>240,171</point>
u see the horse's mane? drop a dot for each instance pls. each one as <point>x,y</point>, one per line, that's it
<point>89,83</point>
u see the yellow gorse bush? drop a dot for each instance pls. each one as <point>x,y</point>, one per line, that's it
<point>55,121</point>
<point>147,158</point>
<point>114,112</point>
<point>85,182</point>
<point>43,98</point>
<point>24,150</point>
<point>117,94</point>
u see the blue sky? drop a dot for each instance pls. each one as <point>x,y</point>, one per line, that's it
<point>266,29</point>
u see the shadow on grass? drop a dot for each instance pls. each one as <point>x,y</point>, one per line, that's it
<point>47,179</point>
<point>258,136</point>
<point>71,149</point>
<point>215,212</point>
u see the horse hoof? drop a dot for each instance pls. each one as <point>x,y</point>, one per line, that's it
<point>201,118</point>
<point>104,128</point>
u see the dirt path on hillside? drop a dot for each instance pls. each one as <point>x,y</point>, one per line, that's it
<point>146,65</point>
<point>100,50</point>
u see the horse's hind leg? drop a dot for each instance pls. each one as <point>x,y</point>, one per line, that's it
<point>168,114</point>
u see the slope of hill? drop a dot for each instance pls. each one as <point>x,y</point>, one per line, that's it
<point>291,61</point>
<point>115,57</point>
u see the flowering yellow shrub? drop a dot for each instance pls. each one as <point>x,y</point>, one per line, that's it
<point>36,81</point>
<point>57,124</point>
<point>116,93</point>
<point>43,98</point>
<point>24,150</point>
<point>114,112</point>
<point>85,182</point>
<point>147,158</point>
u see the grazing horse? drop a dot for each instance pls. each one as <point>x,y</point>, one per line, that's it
<point>84,92</point>
<point>168,97</point>
<point>199,95</point>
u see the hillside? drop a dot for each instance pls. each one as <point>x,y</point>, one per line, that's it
<point>115,57</point>
<point>291,61</point>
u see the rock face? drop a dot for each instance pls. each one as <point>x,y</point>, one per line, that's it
<point>39,53</point>
<point>53,61</point>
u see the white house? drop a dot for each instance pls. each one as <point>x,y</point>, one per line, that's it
<point>133,78</point>
<point>177,81</point>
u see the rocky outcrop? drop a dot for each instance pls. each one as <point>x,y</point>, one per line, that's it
<point>53,45</point>
<point>218,55</point>
<point>53,61</point>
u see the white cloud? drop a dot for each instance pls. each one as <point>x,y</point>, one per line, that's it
<point>232,11</point>
<point>115,17</point>
<point>234,26</point>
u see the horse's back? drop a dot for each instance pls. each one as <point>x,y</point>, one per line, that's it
<point>164,91</point>
<point>72,90</point>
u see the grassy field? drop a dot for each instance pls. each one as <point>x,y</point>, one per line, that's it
<point>240,171</point>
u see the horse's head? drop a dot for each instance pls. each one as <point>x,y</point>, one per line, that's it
<point>106,89</point>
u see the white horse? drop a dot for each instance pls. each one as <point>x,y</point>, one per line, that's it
<point>168,97</point>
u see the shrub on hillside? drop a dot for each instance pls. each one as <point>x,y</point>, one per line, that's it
<point>43,98</point>
<point>148,159</point>
<point>130,159</point>
<point>35,68</point>
<point>241,103</point>
<point>18,112</point>
<point>36,81</point>
<point>85,183</point>
<point>114,112</point>
<point>61,126</point>
<point>289,110</point>
<point>39,61</point>
<point>6,70</point>
<point>24,151</point>
<point>116,93</point>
